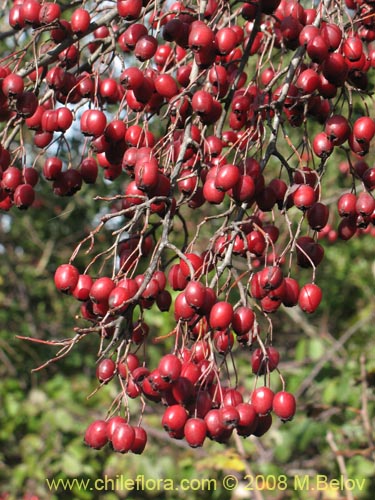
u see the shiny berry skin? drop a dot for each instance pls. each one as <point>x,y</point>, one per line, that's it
<point>30,176</point>
<point>183,391</point>
<point>335,68</point>
<point>346,204</point>
<point>31,10</point>
<point>261,399</point>
<point>364,129</point>
<point>232,397</point>
<point>309,298</point>
<point>229,416</point>
<point>331,33</point>
<point>263,425</point>
<point>337,129</point>
<point>347,228</point>
<point>322,145</point>
<point>182,310</point>
<point>304,196</point>
<point>11,178</point>
<point>80,21</point>
<point>16,17</point>
<point>101,289</point>
<point>211,193</point>
<point>96,434</point>
<point>270,277</point>
<point>123,438</point>
<point>226,40</point>
<point>261,364</point>
<point>215,427</point>
<point>49,12</point>
<point>140,440</point>
<point>200,37</point>
<point>66,278</point>
<point>243,320</point>
<point>248,419</point>
<point>117,299</point>
<point>307,33</point>
<point>129,9</point>
<point>174,418</point>
<point>227,176</point>
<point>12,85</point>
<point>309,252</point>
<point>284,405</point>
<point>176,278</point>
<point>195,431</point>
<point>132,78</point>
<point>352,48</point>
<point>89,170</point>
<point>368,178</point>
<point>195,294</point>
<point>112,424</point>
<point>223,341</point>
<point>166,86</point>
<point>106,370</point>
<point>145,47</point>
<point>23,196</point>
<point>308,81</point>
<point>202,102</point>
<point>196,262</point>
<point>169,367</point>
<point>317,216</point>
<point>317,49</point>
<point>82,289</point>
<point>221,315</point>
<point>93,122</point>
<point>64,119</point>
<point>365,204</point>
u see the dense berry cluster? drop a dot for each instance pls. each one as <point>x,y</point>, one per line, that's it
<point>222,155</point>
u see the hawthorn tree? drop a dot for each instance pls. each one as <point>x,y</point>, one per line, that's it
<point>213,127</point>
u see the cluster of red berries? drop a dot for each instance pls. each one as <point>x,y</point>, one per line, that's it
<point>189,382</point>
<point>196,405</point>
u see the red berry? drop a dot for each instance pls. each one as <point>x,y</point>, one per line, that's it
<point>123,438</point>
<point>195,432</point>
<point>140,440</point>
<point>221,315</point>
<point>101,289</point>
<point>112,424</point>
<point>261,399</point>
<point>80,21</point>
<point>243,320</point>
<point>24,196</point>
<point>365,204</point>
<point>96,434</point>
<point>170,367</point>
<point>106,370</point>
<point>12,85</point>
<point>261,363</point>
<point>284,405</point>
<point>11,178</point>
<point>309,298</point>
<point>263,425</point>
<point>174,419</point>
<point>215,427</point>
<point>66,278</point>
<point>248,419</point>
